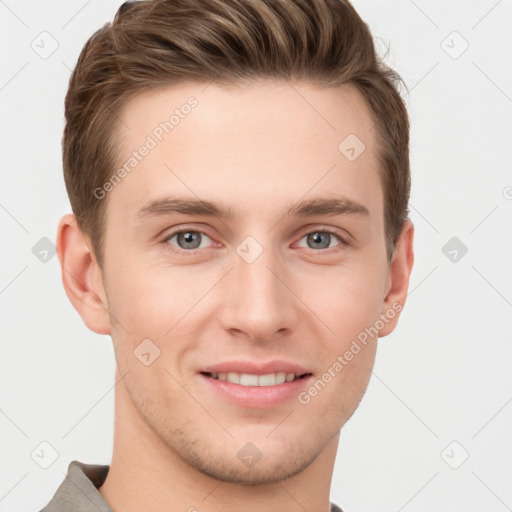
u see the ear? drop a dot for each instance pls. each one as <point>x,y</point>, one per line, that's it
<point>82,276</point>
<point>398,281</point>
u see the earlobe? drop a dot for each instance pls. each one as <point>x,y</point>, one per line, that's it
<point>399,274</point>
<point>81,275</point>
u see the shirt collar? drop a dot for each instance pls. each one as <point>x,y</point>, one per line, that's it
<point>80,489</point>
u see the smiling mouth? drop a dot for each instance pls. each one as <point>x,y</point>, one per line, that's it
<point>248,379</point>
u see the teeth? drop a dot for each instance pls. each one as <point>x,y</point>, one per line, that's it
<point>281,377</point>
<point>233,377</point>
<point>247,379</point>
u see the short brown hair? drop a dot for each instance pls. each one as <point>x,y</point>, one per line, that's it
<point>156,43</point>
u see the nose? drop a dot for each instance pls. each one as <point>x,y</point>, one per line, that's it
<point>260,303</point>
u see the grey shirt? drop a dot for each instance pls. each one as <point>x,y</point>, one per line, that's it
<point>79,490</point>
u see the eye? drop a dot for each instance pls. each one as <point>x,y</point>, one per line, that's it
<point>322,239</point>
<point>188,239</point>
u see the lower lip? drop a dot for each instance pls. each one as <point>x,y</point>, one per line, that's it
<point>257,396</point>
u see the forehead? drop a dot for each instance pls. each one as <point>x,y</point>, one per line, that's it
<point>264,105</point>
<point>256,142</point>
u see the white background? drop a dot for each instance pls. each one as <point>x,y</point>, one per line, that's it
<point>442,376</point>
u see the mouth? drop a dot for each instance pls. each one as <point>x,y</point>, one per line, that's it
<point>255,384</point>
<point>248,379</point>
<point>261,389</point>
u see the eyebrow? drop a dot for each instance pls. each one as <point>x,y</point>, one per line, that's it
<point>308,208</point>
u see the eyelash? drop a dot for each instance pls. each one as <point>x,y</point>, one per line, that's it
<point>169,236</point>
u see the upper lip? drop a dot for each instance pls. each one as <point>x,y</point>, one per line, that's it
<point>255,368</point>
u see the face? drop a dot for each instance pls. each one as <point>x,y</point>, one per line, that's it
<point>282,285</point>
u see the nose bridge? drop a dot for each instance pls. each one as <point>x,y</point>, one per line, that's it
<point>258,302</point>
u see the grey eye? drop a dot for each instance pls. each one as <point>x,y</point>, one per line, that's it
<point>188,239</point>
<point>320,239</point>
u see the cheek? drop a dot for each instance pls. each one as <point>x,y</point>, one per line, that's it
<point>348,299</point>
<point>337,391</point>
<point>151,299</point>
<point>160,304</point>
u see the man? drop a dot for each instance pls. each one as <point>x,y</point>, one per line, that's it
<point>239,177</point>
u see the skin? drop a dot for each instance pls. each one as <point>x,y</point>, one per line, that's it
<point>257,148</point>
